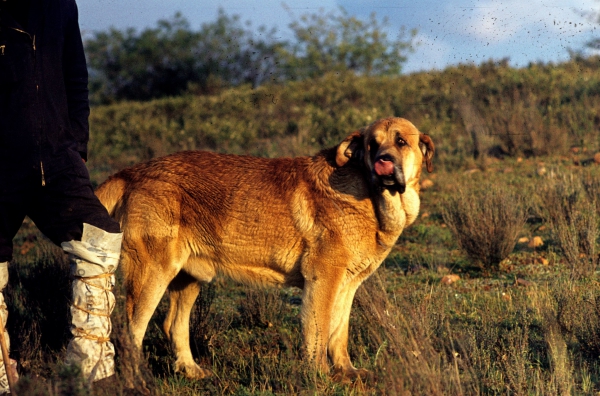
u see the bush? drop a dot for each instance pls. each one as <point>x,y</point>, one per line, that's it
<point>173,58</point>
<point>485,221</point>
<point>555,105</point>
<point>570,205</point>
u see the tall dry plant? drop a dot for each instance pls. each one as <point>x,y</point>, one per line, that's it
<point>591,185</point>
<point>570,205</point>
<point>475,125</point>
<point>521,126</point>
<point>485,220</point>
<point>409,356</point>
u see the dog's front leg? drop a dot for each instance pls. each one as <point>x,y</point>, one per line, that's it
<point>321,290</point>
<point>338,339</point>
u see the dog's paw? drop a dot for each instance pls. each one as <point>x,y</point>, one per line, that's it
<point>349,375</point>
<point>192,370</point>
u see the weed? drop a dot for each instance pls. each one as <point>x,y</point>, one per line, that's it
<point>485,221</point>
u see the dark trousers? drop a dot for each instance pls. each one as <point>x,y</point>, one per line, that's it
<point>58,209</point>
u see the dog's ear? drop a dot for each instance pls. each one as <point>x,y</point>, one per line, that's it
<point>350,147</point>
<point>427,148</point>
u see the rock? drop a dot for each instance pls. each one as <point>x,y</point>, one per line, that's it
<point>541,170</point>
<point>426,183</point>
<point>450,279</point>
<point>536,242</point>
<point>543,261</point>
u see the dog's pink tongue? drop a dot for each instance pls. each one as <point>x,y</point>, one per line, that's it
<point>384,168</point>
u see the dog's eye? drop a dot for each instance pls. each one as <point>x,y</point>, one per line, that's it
<point>400,142</point>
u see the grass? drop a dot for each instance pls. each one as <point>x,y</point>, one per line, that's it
<point>527,327</point>
<point>527,324</point>
<point>570,205</point>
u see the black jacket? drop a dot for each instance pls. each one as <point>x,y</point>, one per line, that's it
<point>44,104</point>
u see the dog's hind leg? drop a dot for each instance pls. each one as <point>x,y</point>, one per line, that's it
<point>183,292</point>
<point>146,283</point>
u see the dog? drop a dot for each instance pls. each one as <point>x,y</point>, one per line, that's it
<point>322,224</point>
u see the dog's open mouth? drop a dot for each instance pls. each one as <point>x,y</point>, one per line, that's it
<point>388,174</point>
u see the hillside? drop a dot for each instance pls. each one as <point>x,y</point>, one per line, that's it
<point>540,110</point>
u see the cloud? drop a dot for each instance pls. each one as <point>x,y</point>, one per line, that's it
<point>495,22</point>
<point>450,32</point>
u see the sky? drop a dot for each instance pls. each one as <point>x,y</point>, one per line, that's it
<point>450,32</point>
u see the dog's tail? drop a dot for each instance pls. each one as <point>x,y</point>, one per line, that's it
<point>111,193</point>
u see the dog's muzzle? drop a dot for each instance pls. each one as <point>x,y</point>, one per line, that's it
<point>388,174</point>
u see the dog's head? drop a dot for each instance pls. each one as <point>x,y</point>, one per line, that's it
<point>391,149</point>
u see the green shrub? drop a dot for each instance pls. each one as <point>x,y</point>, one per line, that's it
<point>534,111</point>
<point>485,220</point>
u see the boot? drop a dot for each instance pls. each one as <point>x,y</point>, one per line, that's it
<point>94,260</point>
<point>12,365</point>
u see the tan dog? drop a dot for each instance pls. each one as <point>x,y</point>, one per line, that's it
<point>321,223</point>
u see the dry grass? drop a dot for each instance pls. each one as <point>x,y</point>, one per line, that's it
<point>482,335</point>
<point>570,204</point>
<point>485,219</point>
<point>402,335</point>
<point>415,334</point>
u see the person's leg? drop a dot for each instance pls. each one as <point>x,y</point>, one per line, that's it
<point>69,213</point>
<point>13,202</point>
<point>12,213</point>
<point>65,203</point>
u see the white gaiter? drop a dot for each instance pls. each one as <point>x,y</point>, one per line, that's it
<point>94,260</point>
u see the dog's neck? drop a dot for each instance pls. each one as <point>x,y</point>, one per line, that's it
<point>395,212</point>
<point>345,180</point>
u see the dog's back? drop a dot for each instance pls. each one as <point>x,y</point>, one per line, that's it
<point>248,218</point>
